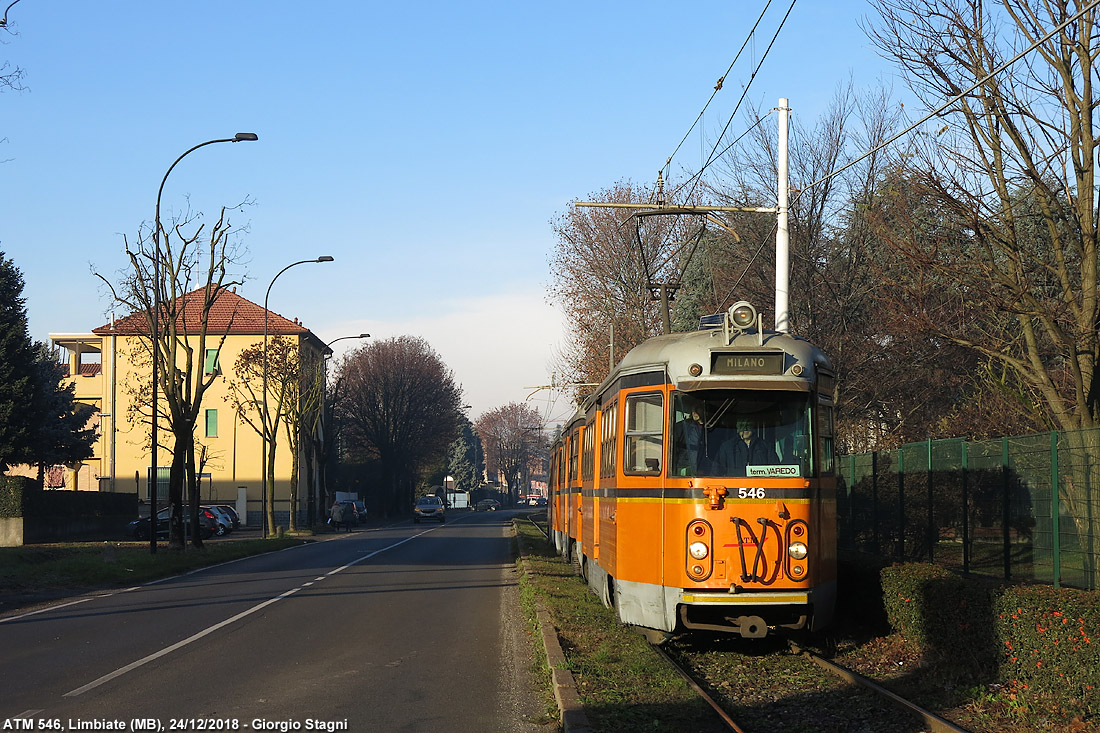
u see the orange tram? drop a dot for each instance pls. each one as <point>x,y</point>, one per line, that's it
<point>695,489</point>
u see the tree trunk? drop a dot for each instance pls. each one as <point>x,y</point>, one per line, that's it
<point>193,494</point>
<point>270,488</point>
<point>176,478</point>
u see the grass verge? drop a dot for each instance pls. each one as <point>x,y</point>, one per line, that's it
<point>623,684</point>
<point>540,666</point>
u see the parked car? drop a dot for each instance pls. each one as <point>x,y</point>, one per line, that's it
<point>487,505</point>
<point>223,522</point>
<point>232,515</point>
<point>361,508</point>
<point>139,528</point>
<point>429,507</point>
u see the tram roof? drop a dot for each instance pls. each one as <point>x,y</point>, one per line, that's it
<point>674,353</point>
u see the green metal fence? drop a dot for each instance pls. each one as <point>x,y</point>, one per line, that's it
<point>1020,508</point>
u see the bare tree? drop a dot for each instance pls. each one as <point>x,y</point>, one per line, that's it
<point>602,269</point>
<point>402,407</point>
<point>512,437</point>
<point>1013,170</point>
<point>191,270</point>
<point>897,381</point>
<point>287,381</point>
<point>311,428</point>
<point>998,207</point>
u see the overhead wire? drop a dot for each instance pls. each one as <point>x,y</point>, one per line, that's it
<point>736,140</point>
<point>949,103</point>
<point>694,180</point>
<point>934,113</point>
<point>712,157</point>
<point>717,88</point>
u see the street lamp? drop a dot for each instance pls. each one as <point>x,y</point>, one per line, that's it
<point>263,455</point>
<point>360,336</point>
<point>157,231</point>
<point>4,20</point>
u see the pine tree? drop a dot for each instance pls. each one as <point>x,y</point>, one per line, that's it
<point>461,459</point>
<point>60,425</point>
<point>17,369</point>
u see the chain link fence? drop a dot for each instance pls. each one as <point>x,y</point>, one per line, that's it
<point>1020,508</point>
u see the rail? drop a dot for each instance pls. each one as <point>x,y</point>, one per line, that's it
<point>934,722</point>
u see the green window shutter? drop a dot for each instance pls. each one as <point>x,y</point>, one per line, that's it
<point>211,423</point>
<point>211,366</point>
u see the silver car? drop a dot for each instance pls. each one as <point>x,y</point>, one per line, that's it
<point>429,507</point>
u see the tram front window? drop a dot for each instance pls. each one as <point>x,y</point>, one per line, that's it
<point>740,433</point>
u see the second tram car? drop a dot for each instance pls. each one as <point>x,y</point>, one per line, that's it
<point>695,488</point>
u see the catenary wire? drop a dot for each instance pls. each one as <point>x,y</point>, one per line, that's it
<point>939,110</point>
<point>717,87</point>
<point>712,157</point>
<point>946,105</point>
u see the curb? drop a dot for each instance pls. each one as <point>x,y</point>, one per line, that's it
<point>570,710</point>
<point>573,717</point>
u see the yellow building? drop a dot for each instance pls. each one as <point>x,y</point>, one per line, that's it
<point>111,369</point>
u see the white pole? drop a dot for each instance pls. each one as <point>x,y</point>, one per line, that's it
<point>782,233</point>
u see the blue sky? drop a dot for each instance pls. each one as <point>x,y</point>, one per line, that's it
<point>425,146</point>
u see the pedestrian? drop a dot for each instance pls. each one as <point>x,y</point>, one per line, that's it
<point>337,516</point>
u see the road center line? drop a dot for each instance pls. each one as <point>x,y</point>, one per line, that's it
<point>178,645</point>
<point>211,629</point>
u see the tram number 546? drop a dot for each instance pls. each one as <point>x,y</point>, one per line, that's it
<point>751,494</point>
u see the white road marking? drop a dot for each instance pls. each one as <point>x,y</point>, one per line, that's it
<point>43,610</point>
<point>211,629</point>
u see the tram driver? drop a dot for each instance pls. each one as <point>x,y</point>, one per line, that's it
<point>747,449</point>
<point>695,441</point>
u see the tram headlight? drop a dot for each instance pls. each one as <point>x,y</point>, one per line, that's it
<point>698,550</point>
<point>797,550</point>
<point>742,315</point>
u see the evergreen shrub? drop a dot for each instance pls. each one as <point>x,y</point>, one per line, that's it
<point>13,490</point>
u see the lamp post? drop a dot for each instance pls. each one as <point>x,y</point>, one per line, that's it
<point>4,20</point>
<point>263,456</point>
<point>154,482</point>
<point>360,336</point>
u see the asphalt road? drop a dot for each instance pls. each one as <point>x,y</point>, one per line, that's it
<point>408,627</point>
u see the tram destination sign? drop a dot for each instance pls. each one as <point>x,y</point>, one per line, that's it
<point>770,362</point>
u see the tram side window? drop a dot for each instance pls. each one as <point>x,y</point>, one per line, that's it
<point>825,417</point>
<point>643,439</point>
<point>587,452</point>
<point>574,439</point>
<point>608,423</point>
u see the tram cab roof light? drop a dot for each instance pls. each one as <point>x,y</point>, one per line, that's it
<point>743,315</point>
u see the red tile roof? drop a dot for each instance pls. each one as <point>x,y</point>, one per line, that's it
<point>86,370</point>
<point>230,314</point>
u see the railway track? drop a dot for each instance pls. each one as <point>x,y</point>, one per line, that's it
<point>718,709</point>
<point>772,686</point>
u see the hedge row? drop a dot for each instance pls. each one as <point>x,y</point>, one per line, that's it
<point>1037,641</point>
<point>12,491</point>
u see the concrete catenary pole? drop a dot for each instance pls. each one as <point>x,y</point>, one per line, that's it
<point>782,232</point>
